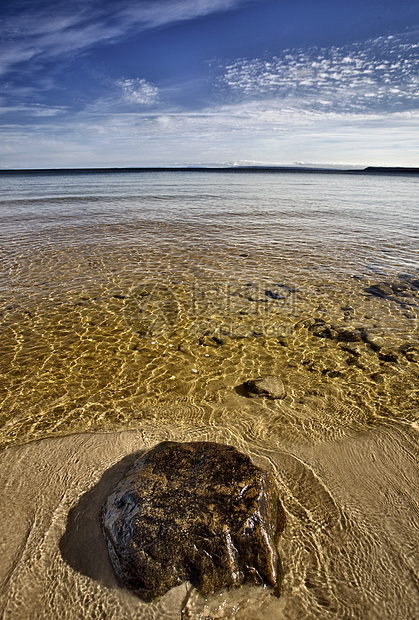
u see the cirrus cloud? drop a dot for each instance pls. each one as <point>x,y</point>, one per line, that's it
<point>51,29</point>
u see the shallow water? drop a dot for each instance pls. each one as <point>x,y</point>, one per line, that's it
<point>132,301</point>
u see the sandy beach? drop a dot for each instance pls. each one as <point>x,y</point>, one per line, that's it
<point>349,549</point>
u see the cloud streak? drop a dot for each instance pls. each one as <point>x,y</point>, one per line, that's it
<point>246,131</point>
<point>51,30</point>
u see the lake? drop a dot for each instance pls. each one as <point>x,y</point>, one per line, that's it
<point>134,306</point>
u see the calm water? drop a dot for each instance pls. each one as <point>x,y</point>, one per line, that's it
<point>113,287</point>
<point>144,300</point>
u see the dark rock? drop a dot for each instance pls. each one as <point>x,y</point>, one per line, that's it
<point>349,335</point>
<point>375,342</point>
<point>217,340</point>
<point>332,373</point>
<point>278,291</point>
<point>388,356</point>
<point>198,512</point>
<point>253,297</point>
<point>305,323</point>
<point>377,377</point>
<point>274,294</point>
<point>352,361</point>
<point>380,290</point>
<point>269,386</point>
<point>210,341</point>
<point>324,331</point>
<point>319,328</point>
<point>351,350</point>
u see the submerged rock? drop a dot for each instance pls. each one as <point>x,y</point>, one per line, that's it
<point>387,355</point>
<point>382,289</point>
<point>270,386</point>
<point>278,291</point>
<point>321,329</point>
<point>324,331</point>
<point>350,335</point>
<point>375,342</point>
<point>198,512</point>
<point>401,288</point>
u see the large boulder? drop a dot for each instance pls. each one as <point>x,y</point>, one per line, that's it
<point>200,512</point>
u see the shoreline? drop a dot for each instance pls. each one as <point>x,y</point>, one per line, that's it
<point>369,170</point>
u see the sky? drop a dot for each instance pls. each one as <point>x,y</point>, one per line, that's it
<point>99,83</point>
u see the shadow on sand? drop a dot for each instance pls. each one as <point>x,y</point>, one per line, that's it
<point>82,545</point>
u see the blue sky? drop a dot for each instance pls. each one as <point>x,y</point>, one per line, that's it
<point>209,82</point>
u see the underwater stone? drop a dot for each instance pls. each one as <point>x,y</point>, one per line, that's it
<point>375,342</point>
<point>198,512</point>
<point>380,290</point>
<point>387,355</point>
<point>349,335</point>
<point>324,331</point>
<point>277,293</point>
<point>270,386</point>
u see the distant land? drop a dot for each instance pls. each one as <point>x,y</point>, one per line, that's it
<point>227,169</point>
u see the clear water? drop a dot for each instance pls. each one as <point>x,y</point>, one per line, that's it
<point>144,300</point>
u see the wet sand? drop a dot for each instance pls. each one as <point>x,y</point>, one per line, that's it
<point>349,549</point>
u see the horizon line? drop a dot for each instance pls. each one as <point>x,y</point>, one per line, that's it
<point>218,168</point>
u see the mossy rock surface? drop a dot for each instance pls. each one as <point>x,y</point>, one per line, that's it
<point>200,512</point>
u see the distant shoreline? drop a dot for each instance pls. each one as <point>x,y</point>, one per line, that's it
<point>370,170</point>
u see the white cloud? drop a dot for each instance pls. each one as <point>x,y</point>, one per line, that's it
<point>379,74</point>
<point>138,91</point>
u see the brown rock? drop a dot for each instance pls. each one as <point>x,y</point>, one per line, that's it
<point>198,512</point>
